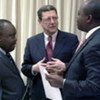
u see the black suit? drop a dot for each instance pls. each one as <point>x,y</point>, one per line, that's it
<point>35,51</point>
<point>11,84</point>
<point>83,77</point>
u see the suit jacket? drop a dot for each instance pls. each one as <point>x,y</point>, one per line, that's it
<point>83,75</point>
<point>11,84</point>
<point>65,46</point>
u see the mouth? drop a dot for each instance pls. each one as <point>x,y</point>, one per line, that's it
<point>53,27</point>
<point>14,44</point>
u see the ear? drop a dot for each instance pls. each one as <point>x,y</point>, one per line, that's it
<point>89,18</point>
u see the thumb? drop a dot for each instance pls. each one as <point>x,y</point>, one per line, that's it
<point>43,60</point>
<point>54,59</point>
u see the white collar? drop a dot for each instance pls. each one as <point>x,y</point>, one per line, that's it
<point>53,36</point>
<point>91,32</point>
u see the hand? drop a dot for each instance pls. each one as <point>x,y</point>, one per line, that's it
<point>56,66</point>
<point>35,68</point>
<point>55,80</point>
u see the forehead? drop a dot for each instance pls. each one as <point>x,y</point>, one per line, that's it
<point>49,13</point>
<point>83,6</point>
<point>81,10</point>
<point>9,30</point>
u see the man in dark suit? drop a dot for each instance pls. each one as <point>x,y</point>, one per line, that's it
<point>82,81</point>
<point>11,84</point>
<point>63,45</point>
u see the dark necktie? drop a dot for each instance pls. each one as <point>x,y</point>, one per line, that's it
<point>10,58</point>
<point>12,61</point>
<point>49,48</point>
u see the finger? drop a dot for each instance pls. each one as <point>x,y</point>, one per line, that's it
<point>50,62</point>
<point>48,79</point>
<point>42,60</point>
<point>54,59</point>
<point>50,71</point>
<point>47,76</point>
<point>51,65</point>
<point>43,64</point>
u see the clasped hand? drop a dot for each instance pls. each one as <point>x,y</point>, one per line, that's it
<point>55,68</point>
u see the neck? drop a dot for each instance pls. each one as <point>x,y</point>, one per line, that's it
<point>92,26</point>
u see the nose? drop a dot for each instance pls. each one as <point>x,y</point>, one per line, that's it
<point>52,20</point>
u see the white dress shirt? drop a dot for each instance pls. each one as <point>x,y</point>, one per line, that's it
<point>91,32</point>
<point>53,39</point>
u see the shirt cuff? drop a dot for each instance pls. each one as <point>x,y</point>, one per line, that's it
<point>33,73</point>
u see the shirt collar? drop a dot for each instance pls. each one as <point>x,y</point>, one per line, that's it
<point>53,36</point>
<point>2,51</point>
<point>91,32</point>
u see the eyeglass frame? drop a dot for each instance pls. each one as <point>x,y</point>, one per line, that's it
<point>50,18</point>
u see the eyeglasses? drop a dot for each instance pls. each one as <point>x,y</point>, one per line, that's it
<point>50,18</point>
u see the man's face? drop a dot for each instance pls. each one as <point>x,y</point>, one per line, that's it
<point>49,22</point>
<point>82,20</point>
<point>8,40</point>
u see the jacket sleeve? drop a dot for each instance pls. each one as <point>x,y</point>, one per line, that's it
<point>90,85</point>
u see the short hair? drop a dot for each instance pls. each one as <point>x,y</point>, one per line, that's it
<point>2,25</point>
<point>44,9</point>
<point>92,8</point>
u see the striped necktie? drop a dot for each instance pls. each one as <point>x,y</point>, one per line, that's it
<point>49,48</point>
<point>10,58</point>
<point>80,43</point>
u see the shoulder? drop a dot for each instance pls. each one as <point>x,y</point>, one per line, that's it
<point>35,37</point>
<point>67,34</point>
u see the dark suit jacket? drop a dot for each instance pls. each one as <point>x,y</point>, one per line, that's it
<point>11,84</point>
<point>65,46</point>
<point>83,75</point>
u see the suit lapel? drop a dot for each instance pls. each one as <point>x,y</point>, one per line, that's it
<point>8,63</point>
<point>59,44</point>
<point>41,46</point>
<point>82,47</point>
<point>79,51</point>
